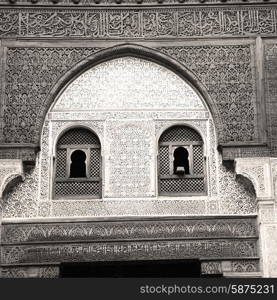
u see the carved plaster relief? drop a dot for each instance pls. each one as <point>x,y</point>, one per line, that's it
<point>128,83</point>
<point>234,197</point>
<point>22,201</point>
<point>143,23</point>
<point>9,169</point>
<point>228,74</point>
<point>257,170</point>
<point>37,69</point>
<point>129,132</point>
<point>130,160</point>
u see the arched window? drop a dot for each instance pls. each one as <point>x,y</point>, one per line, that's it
<point>181,162</point>
<point>78,165</point>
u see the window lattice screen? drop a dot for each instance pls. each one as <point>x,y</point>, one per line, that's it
<point>61,163</point>
<point>78,188</point>
<point>182,185</point>
<point>76,138</point>
<point>198,160</point>
<point>180,134</point>
<point>95,162</point>
<point>170,183</point>
<point>164,160</point>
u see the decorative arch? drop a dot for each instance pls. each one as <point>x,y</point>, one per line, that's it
<point>258,172</point>
<point>11,172</point>
<point>137,51</point>
<point>187,124</point>
<point>71,125</point>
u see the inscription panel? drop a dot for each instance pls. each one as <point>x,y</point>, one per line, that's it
<point>128,251</point>
<point>139,23</point>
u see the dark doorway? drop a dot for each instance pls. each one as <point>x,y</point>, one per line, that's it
<point>125,269</point>
<point>78,165</point>
<point>181,160</point>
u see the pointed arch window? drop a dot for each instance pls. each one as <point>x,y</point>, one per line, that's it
<point>181,162</point>
<point>78,165</point>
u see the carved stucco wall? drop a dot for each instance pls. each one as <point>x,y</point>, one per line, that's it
<point>271,89</point>
<point>128,84</point>
<point>130,127</point>
<point>227,71</point>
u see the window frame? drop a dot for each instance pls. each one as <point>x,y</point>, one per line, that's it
<point>171,147</point>
<point>70,148</point>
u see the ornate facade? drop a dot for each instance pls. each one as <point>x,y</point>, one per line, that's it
<point>120,88</point>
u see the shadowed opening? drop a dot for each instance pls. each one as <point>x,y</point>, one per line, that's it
<point>78,165</point>
<point>121,269</point>
<point>181,161</point>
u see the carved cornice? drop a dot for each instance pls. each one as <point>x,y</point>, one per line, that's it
<point>82,252</point>
<point>139,23</point>
<point>233,151</point>
<point>24,152</point>
<point>221,238</point>
<point>138,230</point>
<point>57,3</point>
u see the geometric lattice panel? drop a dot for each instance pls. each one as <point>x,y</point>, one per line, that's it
<point>78,136</point>
<point>61,163</point>
<point>91,188</point>
<point>198,160</point>
<point>95,157</point>
<point>182,185</point>
<point>164,160</point>
<point>180,134</point>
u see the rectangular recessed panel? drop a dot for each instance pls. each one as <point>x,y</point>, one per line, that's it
<point>94,162</point>
<point>91,188</point>
<point>198,160</point>
<point>61,163</point>
<point>164,161</point>
<point>182,185</point>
